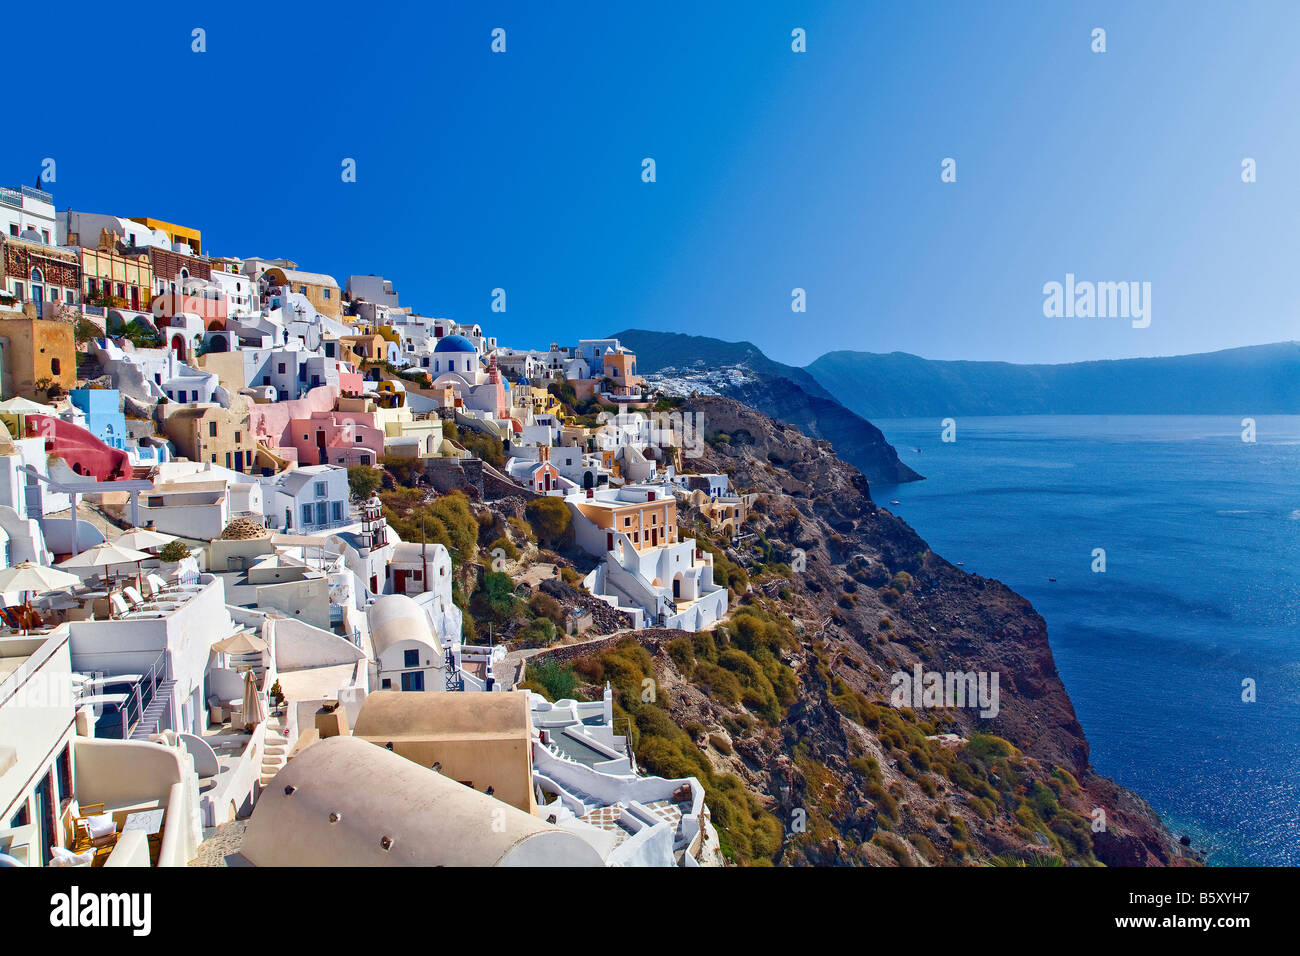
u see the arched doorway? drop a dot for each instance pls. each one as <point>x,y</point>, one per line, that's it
<point>38,290</point>
<point>178,345</point>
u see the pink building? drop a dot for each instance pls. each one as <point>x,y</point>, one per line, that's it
<point>269,423</point>
<point>337,438</point>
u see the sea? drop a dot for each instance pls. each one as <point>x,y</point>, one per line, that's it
<point>1181,652</point>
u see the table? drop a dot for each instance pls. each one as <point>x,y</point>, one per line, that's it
<point>150,821</point>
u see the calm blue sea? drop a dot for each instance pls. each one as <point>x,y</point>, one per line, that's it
<point>1201,591</point>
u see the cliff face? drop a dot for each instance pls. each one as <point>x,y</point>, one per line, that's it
<point>851,778</point>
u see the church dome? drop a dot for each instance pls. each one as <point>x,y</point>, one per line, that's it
<point>455,343</point>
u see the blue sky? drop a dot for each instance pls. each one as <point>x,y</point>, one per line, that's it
<point>775,170</point>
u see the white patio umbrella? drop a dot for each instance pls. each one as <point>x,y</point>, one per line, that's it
<point>254,712</point>
<point>28,578</point>
<point>25,406</point>
<point>106,554</point>
<point>33,577</point>
<point>141,538</point>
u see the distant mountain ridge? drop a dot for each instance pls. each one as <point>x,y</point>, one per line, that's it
<point>1254,380</point>
<point>784,392</point>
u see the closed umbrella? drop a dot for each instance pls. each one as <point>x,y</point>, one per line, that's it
<point>254,713</point>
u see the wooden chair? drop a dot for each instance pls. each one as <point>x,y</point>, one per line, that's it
<point>83,840</point>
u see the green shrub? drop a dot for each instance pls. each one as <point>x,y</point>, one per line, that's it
<point>174,551</point>
<point>545,606</point>
<point>557,680</point>
<point>550,521</point>
<point>538,632</point>
<point>506,546</point>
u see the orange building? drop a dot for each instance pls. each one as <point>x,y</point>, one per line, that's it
<point>35,354</point>
<point>176,234</point>
<point>650,523</point>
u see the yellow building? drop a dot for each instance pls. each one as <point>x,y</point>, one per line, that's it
<point>483,741</point>
<point>215,435</point>
<point>35,354</point>
<point>321,290</point>
<point>177,234</point>
<point>126,280</point>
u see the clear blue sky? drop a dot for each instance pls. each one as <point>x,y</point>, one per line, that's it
<point>775,170</point>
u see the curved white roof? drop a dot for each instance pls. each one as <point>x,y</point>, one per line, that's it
<point>324,809</point>
<point>394,618</point>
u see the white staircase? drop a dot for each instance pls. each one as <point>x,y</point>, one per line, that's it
<point>275,750</point>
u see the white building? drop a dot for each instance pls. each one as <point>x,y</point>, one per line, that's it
<point>646,572</point>
<point>374,289</point>
<point>307,500</point>
<point>28,213</point>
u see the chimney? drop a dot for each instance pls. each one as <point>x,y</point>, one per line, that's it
<point>544,453</point>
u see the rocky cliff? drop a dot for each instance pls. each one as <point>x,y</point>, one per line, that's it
<point>832,597</point>
<point>694,364</point>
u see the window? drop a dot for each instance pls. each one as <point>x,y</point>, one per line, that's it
<point>336,514</point>
<point>386,684</point>
<point>410,658</point>
<point>358,439</point>
<point>325,293</point>
<point>237,437</point>
<point>365,459</point>
<point>212,427</point>
<point>281,368</point>
<point>55,366</point>
<point>13,229</point>
<point>320,489</point>
<point>63,765</point>
<point>306,514</point>
<point>321,512</point>
<point>45,236</point>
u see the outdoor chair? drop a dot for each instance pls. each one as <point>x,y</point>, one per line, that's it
<point>92,829</point>
<point>119,606</point>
